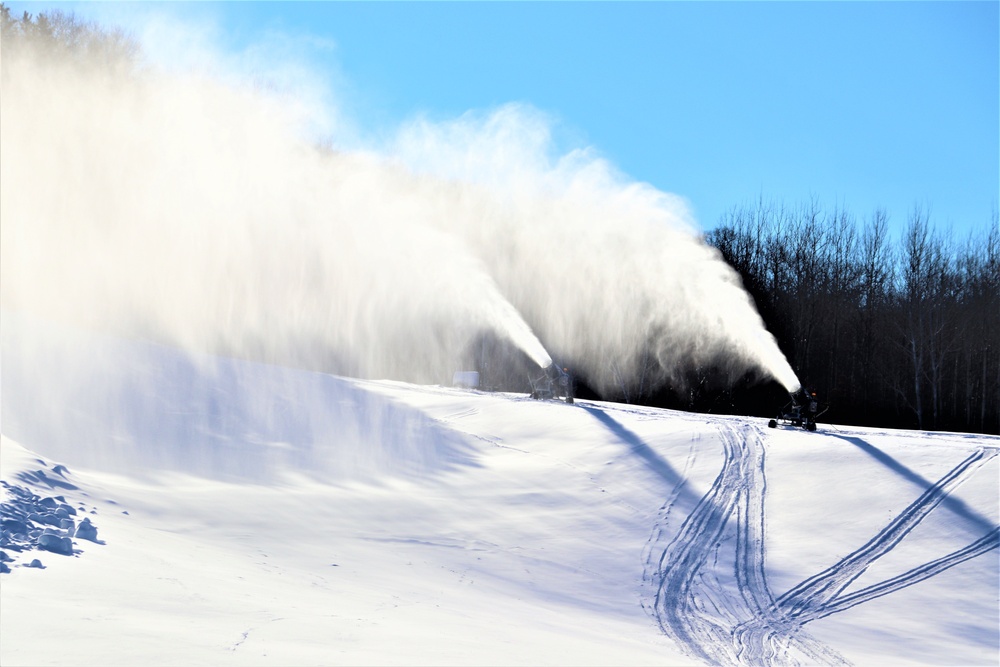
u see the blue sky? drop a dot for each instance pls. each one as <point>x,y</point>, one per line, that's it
<point>855,104</point>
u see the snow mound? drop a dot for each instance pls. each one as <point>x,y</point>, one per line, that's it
<point>31,521</point>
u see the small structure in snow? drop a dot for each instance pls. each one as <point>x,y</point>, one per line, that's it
<point>466,379</point>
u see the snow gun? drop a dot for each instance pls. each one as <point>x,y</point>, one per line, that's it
<point>803,410</point>
<point>555,382</point>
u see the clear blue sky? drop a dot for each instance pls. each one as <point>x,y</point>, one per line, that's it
<point>857,104</point>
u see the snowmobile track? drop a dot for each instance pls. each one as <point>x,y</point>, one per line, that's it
<point>725,534</point>
<point>815,594</point>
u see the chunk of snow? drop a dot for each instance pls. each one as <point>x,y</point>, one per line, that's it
<point>56,544</point>
<point>86,531</point>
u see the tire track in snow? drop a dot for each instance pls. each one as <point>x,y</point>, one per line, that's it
<point>680,605</point>
<point>691,604</point>
<point>694,606</point>
<point>815,593</point>
<point>653,552</point>
<point>981,546</point>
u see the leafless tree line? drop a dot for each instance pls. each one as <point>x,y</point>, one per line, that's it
<point>893,331</point>
<point>61,37</point>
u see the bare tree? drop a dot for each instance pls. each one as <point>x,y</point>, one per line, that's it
<point>875,275</point>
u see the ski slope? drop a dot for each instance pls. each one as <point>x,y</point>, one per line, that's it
<point>254,514</point>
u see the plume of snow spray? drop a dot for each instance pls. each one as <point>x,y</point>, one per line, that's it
<point>175,208</point>
<point>192,214</point>
<point>606,270</point>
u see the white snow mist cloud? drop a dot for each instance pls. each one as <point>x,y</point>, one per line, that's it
<point>194,213</point>
<point>607,271</point>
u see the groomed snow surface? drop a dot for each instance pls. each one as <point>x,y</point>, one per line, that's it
<point>253,514</point>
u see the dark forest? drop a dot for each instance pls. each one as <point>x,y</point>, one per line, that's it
<point>890,331</point>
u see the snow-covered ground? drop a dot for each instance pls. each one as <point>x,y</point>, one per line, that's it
<point>253,514</point>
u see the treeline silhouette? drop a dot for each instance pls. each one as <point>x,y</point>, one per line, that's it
<point>892,331</point>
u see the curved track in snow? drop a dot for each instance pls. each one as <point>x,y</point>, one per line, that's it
<point>720,546</point>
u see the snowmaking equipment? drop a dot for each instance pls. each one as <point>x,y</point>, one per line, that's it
<point>803,410</point>
<point>555,382</point>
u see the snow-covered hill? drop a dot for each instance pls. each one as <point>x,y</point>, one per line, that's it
<point>253,514</point>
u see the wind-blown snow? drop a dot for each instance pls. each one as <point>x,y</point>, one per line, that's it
<point>173,207</point>
<point>255,514</point>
